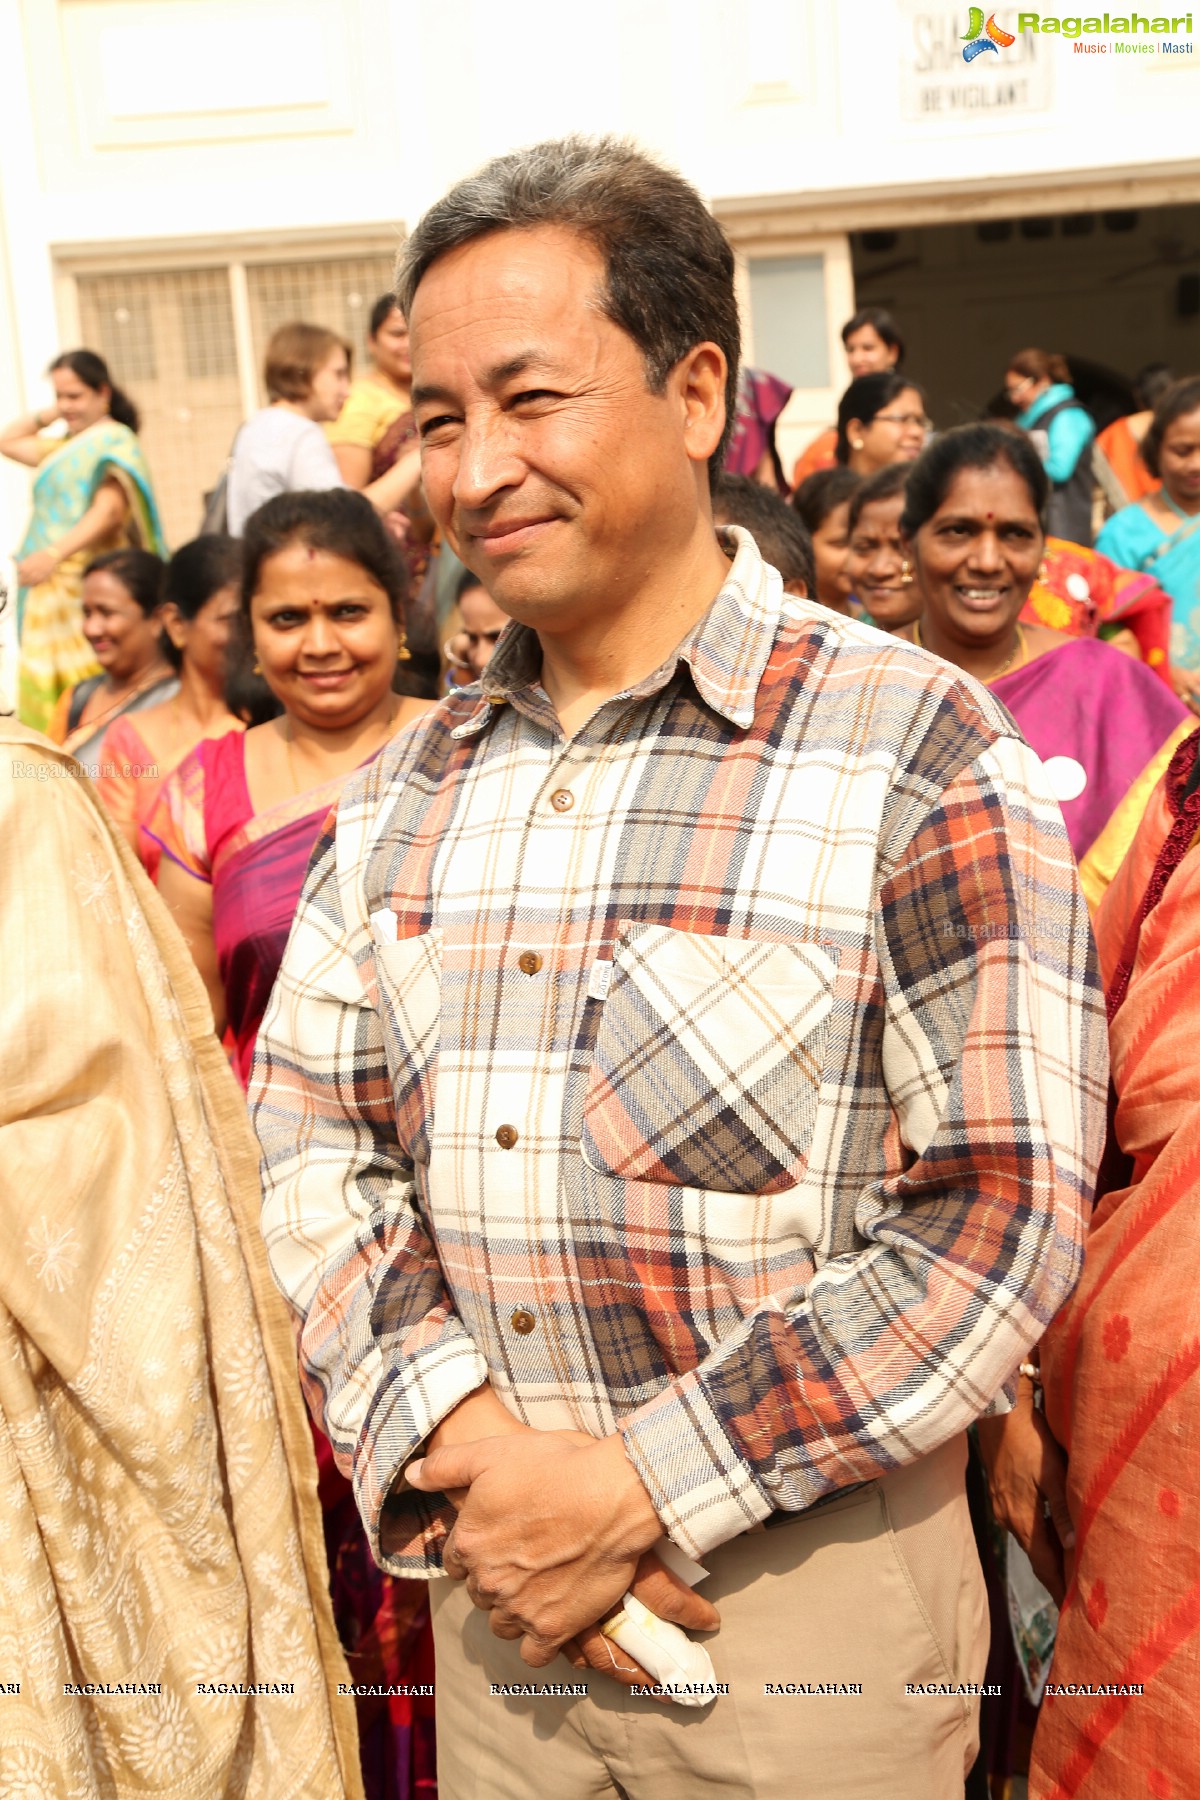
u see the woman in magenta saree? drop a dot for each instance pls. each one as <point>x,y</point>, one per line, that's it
<point>1104,725</point>
<point>1107,728</point>
<point>236,823</point>
<point>254,863</point>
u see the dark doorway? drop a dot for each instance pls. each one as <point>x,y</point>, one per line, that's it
<point>1115,289</point>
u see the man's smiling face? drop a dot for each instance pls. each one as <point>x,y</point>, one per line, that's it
<point>556,473</point>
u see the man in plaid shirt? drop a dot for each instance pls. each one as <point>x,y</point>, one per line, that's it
<point>682,1093</point>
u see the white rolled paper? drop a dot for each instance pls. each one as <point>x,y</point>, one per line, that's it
<point>669,1656</point>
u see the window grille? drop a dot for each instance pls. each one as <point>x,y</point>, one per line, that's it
<point>169,337</point>
<point>339,294</point>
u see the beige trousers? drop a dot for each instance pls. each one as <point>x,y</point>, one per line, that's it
<point>879,1592</point>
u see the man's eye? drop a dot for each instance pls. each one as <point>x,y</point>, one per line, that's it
<point>428,426</point>
<point>533,396</point>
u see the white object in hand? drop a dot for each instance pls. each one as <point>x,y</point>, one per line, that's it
<point>668,1655</point>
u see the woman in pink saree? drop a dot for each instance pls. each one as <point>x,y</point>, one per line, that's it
<point>322,596</point>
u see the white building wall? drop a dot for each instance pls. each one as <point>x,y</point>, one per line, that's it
<point>142,125</point>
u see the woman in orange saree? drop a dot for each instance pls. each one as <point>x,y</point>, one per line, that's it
<point>1121,1363</point>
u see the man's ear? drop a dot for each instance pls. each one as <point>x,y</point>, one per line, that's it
<point>796,586</point>
<point>699,378</point>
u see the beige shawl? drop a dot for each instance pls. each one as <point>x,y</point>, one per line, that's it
<point>160,1536</point>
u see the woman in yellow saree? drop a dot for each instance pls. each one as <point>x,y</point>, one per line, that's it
<point>91,493</point>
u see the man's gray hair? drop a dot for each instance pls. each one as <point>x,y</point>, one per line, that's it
<point>669,267</point>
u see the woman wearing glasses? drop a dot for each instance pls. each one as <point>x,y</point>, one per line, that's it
<point>1039,386</point>
<point>881,420</point>
<point>873,344</point>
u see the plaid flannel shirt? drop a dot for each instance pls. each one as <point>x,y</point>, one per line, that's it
<point>732,1074</point>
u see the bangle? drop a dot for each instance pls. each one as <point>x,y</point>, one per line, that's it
<point>1031,1371</point>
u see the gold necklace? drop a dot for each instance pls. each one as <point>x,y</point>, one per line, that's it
<point>1018,649</point>
<point>287,747</point>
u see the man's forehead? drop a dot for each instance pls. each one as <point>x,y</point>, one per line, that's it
<point>497,286</point>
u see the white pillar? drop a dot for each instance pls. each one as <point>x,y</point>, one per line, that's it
<point>28,327</point>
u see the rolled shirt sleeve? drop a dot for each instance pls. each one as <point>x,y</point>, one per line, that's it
<point>383,1356</point>
<point>995,1062</point>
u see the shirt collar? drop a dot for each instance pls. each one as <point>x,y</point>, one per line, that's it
<point>726,650</point>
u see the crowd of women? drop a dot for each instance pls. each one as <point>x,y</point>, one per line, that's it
<point>221,697</point>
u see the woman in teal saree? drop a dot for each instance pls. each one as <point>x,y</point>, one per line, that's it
<point>1160,534</point>
<point>91,493</point>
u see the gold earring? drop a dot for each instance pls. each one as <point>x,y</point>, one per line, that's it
<point>257,669</point>
<point>403,653</point>
<point>906,574</point>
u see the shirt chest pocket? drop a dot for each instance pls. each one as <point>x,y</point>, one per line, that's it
<point>708,1059</point>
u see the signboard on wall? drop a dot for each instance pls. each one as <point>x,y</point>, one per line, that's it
<point>938,84</point>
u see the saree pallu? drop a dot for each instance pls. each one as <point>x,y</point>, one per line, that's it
<point>130,779</point>
<point>88,743</point>
<point>401,435</point>
<point>1121,1363</point>
<point>760,400</point>
<point>1172,559</point>
<point>820,454</point>
<point>54,652</point>
<point>205,821</point>
<point>1106,729</point>
<point>163,1599</point>
<point>1123,452</point>
<point>1084,594</point>
<point>256,862</point>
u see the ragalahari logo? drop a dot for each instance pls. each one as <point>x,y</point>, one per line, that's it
<point>983,37</point>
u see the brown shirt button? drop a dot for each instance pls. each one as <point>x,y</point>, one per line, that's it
<point>562,799</point>
<point>529,962</point>
<point>506,1136</point>
<point>523,1321</point>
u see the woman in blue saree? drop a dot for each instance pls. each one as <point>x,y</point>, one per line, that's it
<point>91,493</point>
<point>1160,534</point>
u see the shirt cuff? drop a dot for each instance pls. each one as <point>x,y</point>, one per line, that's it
<point>697,1481</point>
<point>405,1528</point>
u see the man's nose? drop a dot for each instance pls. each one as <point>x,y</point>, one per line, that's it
<point>488,461</point>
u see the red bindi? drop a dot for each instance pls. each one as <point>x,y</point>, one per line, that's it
<point>312,553</point>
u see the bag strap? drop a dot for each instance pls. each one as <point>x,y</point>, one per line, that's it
<point>1060,406</point>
